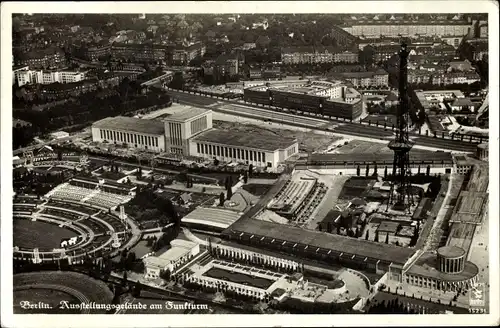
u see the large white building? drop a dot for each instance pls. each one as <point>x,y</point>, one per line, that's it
<point>181,252</point>
<point>183,125</point>
<point>134,132</point>
<point>241,147</point>
<point>27,76</point>
<point>188,131</point>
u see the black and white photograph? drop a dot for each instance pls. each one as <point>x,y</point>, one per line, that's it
<point>209,160</point>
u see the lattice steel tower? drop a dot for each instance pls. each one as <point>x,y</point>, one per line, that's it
<point>401,195</point>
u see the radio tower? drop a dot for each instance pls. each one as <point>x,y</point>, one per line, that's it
<point>401,195</point>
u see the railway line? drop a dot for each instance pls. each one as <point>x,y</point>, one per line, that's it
<point>347,128</point>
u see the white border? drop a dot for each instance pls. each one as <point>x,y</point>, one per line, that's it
<point>471,6</point>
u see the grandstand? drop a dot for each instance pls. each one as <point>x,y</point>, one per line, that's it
<point>100,193</point>
<point>290,200</point>
<point>215,219</point>
<point>94,227</point>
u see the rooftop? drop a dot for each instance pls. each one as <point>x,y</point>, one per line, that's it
<point>186,113</point>
<point>387,157</point>
<point>243,139</point>
<point>426,265</point>
<point>388,226</point>
<point>451,251</point>
<point>216,217</point>
<point>131,124</point>
<point>179,249</point>
<point>321,241</point>
<point>470,207</point>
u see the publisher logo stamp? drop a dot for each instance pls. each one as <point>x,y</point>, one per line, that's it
<point>477,295</point>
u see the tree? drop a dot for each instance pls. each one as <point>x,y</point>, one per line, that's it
<point>229,193</point>
<point>131,257</point>
<point>165,274</point>
<point>245,177</point>
<point>136,292</point>
<point>250,170</point>
<point>124,279</point>
<point>216,162</point>
<point>221,199</point>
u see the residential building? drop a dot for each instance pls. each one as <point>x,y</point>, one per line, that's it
<point>462,104</point>
<point>97,51</point>
<point>48,77</point>
<point>184,54</point>
<point>378,78</point>
<point>139,52</point>
<point>42,59</point>
<point>316,55</point>
<point>460,65</point>
<point>455,78</point>
<point>19,70</point>
<point>343,37</point>
<point>395,27</point>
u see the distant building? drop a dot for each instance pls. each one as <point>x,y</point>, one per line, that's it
<point>48,77</point>
<point>322,97</point>
<point>186,53</point>
<point>378,78</point>
<point>135,52</point>
<point>455,78</point>
<point>42,59</point>
<point>460,65</point>
<point>462,104</point>
<point>343,37</point>
<point>94,52</point>
<point>396,27</point>
<point>434,99</point>
<point>316,55</point>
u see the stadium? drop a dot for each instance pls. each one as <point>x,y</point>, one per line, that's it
<point>61,292</point>
<point>321,97</point>
<point>42,225</point>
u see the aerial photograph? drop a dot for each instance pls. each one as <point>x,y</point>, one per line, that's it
<point>250,163</point>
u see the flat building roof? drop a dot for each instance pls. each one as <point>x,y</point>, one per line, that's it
<point>131,124</point>
<point>186,113</point>
<point>243,139</point>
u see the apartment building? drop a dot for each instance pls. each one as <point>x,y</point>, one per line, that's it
<point>184,54</point>
<point>48,77</point>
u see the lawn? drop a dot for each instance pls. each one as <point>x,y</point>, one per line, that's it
<point>239,278</point>
<point>44,235</point>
